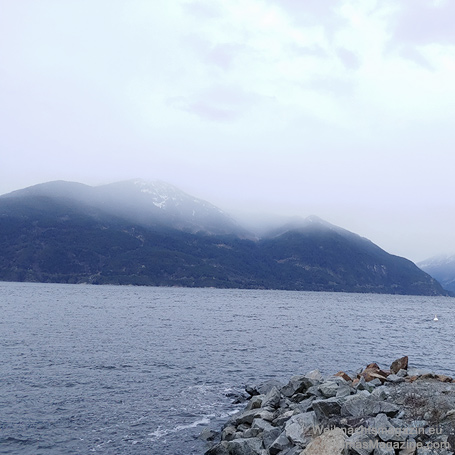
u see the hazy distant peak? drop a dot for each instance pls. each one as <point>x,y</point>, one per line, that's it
<point>54,188</point>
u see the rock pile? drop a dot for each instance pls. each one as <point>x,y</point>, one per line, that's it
<point>379,412</point>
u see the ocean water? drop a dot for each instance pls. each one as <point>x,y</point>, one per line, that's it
<point>142,370</point>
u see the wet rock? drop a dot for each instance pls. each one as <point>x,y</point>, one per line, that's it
<point>228,433</point>
<point>399,364</point>
<point>263,388</point>
<point>207,434</point>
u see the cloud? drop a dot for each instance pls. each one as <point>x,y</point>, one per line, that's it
<point>349,59</point>
<point>217,103</point>
<point>422,22</point>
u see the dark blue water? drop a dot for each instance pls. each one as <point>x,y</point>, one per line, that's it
<point>137,370</point>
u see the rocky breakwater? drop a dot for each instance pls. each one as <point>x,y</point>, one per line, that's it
<point>377,411</point>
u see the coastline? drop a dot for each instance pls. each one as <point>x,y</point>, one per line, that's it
<point>376,411</point>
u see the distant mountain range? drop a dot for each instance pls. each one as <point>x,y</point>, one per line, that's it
<point>442,268</point>
<point>152,233</point>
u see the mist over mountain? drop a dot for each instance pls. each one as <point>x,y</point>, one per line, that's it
<point>442,268</point>
<point>154,203</point>
<point>152,233</point>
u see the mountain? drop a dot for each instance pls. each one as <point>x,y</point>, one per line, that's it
<point>146,203</point>
<point>442,268</point>
<point>143,233</point>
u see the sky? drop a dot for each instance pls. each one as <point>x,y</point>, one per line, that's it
<point>341,109</point>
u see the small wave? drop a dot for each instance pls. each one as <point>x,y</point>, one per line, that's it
<point>12,440</point>
<point>161,432</point>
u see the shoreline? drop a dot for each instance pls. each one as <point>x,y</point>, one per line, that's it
<point>377,411</point>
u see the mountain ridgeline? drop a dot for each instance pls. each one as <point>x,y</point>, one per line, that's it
<point>151,233</point>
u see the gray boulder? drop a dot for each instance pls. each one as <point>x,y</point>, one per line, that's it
<point>359,405</point>
<point>269,436</point>
<point>327,408</point>
<point>297,384</point>
<point>329,389</point>
<point>250,446</point>
<point>272,399</point>
<point>300,428</point>
<point>281,443</point>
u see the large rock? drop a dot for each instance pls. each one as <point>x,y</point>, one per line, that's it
<point>362,404</point>
<point>269,436</point>
<point>399,364</point>
<point>263,388</point>
<point>279,444</point>
<point>297,384</point>
<point>300,428</point>
<point>250,446</point>
<point>332,442</point>
<point>325,409</point>
<point>329,389</point>
<point>272,399</point>
<point>386,430</point>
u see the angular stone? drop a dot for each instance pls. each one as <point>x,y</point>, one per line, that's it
<point>328,389</point>
<point>283,418</point>
<point>297,384</point>
<point>263,388</point>
<point>343,375</point>
<point>332,442</point>
<point>299,428</point>
<point>394,378</point>
<point>327,408</point>
<point>245,417</point>
<point>254,402</point>
<point>268,437</point>
<point>272,399</point>
<point>315,375</point>
<point>228,433</point>
<point>399,364</point>
<point>207,434</point>
<point>265,415</point>
<point>383,449</point>
<point>219,449</point>
<point>344,390</point>
<point>361,443</point>
<point>304,405</point>
<point>386,430</point>
<point>250,446</point>
<point>261,425</point>
<point>280,443</point>
<point>251,433</point>
<point>360,405</point>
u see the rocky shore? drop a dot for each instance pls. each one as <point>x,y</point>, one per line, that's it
<point>377,411</point>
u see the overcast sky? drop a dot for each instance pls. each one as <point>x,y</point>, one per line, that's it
<point>342,109</point>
